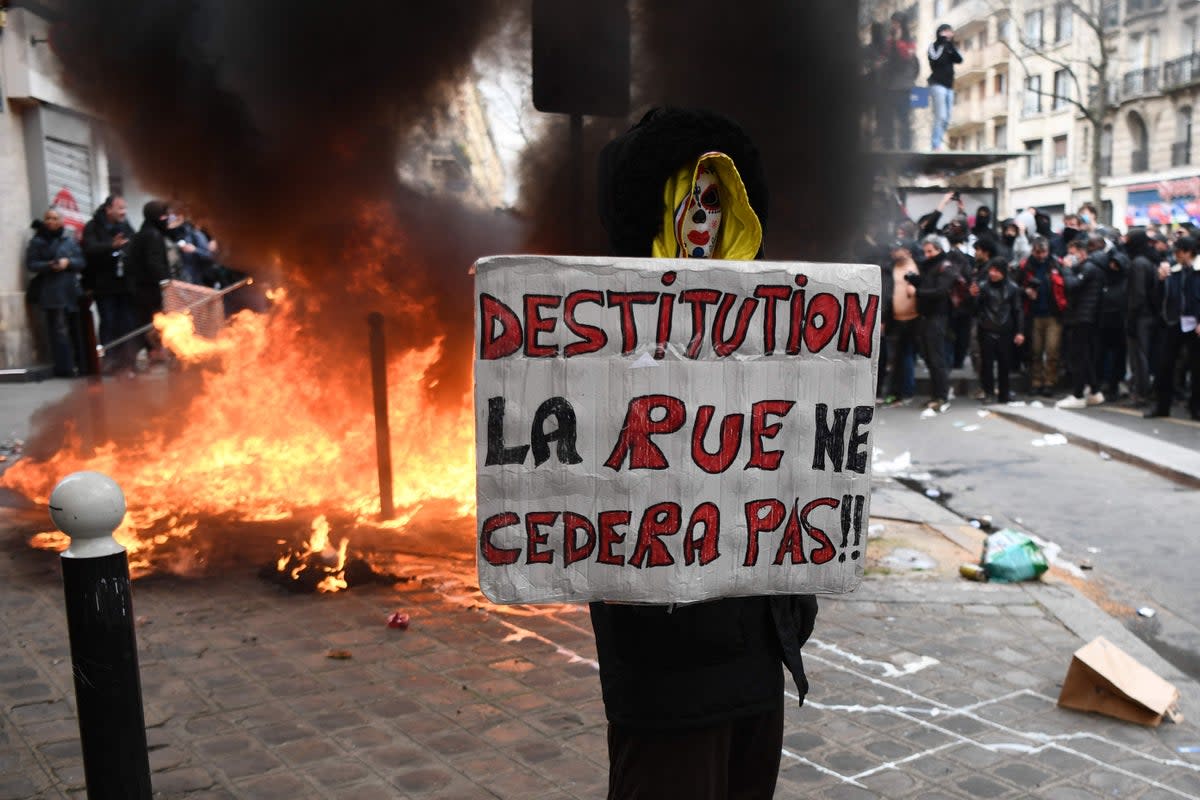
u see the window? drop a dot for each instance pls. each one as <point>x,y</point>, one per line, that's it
<point>1187,37</point>
<point>1181,148</point>
<point>979,142</point>
<point>1063,17</point>
<point>939,7</point>
<point>1033,94</point>
<point>1004,30</point>
<point>983,39</point>
<point>1033,159</point>
<point>1000,83</point>
<point>1062,164</point>
<point>1033,28</point>
<point>1153,53</point>
<point>1110,13</point>
<point>1062,89</point>
<point>1000,136</point>
<point>1139,154</point>
<point>1137,54</point>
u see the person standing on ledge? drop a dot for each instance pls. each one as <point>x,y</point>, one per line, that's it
<point>693,693</point>
<point>943,55</point>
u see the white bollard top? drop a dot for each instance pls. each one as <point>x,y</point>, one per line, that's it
<point>88,507</point>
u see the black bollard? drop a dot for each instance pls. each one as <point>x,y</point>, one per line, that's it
<point>88,507</point>
<point>383,436</point>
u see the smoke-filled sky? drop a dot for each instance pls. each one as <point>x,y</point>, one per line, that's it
<point>280,123</point>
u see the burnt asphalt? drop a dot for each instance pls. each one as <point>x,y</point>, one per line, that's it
<point>924,685</point>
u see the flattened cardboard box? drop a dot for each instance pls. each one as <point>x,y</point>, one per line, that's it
<point>1105,679</point>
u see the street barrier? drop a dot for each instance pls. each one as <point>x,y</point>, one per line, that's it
<point>88,507</point>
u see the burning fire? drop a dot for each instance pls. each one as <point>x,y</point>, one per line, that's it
<point>269,435</point>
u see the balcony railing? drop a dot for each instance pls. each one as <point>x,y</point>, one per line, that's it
<point>995,106</point>
<point>1139,160</point>
<point>1181,71</point>
<point>1140,82</point>
<point>1141,6</point>
<point>1181,154</point>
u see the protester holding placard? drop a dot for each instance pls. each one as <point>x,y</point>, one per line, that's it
<point>693,693</point>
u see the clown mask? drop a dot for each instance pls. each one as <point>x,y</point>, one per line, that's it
<point>698,219</point>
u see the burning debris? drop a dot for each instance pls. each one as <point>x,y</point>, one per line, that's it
<point>319,566</point>
<point>269,425</point>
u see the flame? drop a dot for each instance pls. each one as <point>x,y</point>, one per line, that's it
<point>269,435</point>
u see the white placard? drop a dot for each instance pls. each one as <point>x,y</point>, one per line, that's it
<point>672,430</point>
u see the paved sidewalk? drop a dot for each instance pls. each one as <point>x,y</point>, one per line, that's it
<point>923,685</point>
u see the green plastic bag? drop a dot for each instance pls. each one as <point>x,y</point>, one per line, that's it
<point>1010,556</point>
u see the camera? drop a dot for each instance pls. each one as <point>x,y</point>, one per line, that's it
<point>956,197</point>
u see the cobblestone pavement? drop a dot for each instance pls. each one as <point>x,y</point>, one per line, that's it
<point>922,688</point>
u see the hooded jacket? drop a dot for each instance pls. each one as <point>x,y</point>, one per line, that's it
<point>674,667</point>
<point>937,276</point>
<point>1140,287</point>
<point>1114,296</point>
<point>1044,277</point>
<point>1084,283</point>
<point>57,288</point>
<point>943,55</point>
<point>146,264</point>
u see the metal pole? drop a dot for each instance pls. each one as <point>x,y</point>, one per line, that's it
<point>383,436</point>
<point>103,348</point>
<point>88,507</point>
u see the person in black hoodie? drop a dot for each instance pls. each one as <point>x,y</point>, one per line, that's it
<point>1083,280</point>
<point>997,306</point>
<point>146,267</point>
<point>1142,321</point>
<point>1110,327</point>
<point>105,239</point>
<point>943,55</point>
<point>54,258</point>
<point>693,693</point>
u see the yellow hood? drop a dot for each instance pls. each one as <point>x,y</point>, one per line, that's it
<point>740,236</point>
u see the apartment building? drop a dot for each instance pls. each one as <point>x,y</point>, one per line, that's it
<point>1150,172</point>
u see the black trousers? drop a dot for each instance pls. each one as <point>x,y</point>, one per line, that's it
<point>736,760</point>
<point>901,340</point>
<point>1176,343</point>
<point>1081,362</point>
<point>931,335</point>
<point>995,350</point>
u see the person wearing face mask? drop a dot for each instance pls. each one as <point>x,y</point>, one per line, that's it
<point>693,693</point>
<point>56,261</point>
<point>148,264</point>
<point>996,301</point>
<point>1142,321</point>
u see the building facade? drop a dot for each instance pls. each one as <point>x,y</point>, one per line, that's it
<point>1025,64</point>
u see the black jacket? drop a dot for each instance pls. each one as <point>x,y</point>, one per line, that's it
<point>101,273</point>
<point>1114,297</point>
<point>943,55</point>
<point>57,288</point>
<point>145,267</point>
<point>1084,284</point>
<point>692,665</point>
<point>998,308</point>
<point>936,278</point>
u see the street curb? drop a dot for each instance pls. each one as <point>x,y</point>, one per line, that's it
<point>1061,600</point>
<point>1102,439</point>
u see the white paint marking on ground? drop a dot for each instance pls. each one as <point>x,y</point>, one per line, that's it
<point>1047,740</point>
<point>823,770</point>
<point>890,670</point>
<point>520,634</point>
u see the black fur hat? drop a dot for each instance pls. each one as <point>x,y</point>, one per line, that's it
<point>634,169</point>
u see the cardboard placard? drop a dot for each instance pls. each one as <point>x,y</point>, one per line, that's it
<point>1105,679</point>
<point>672,430</point>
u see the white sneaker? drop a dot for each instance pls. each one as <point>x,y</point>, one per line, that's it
<point>1095,399</point>
<point>1071,401</point>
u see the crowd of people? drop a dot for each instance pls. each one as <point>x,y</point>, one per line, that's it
<point>1085,313</point>
<point>122,270</point>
